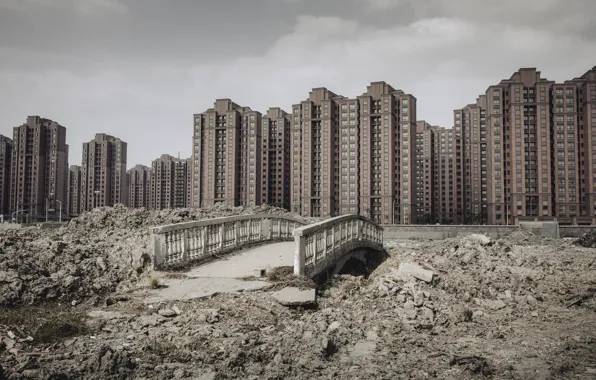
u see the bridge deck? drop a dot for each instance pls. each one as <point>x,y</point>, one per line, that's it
<point>223,276</point>
<point>244,264</point>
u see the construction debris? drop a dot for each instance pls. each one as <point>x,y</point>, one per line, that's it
<point>520,308</point>
<point>100,252</point>
<point>295,297</point>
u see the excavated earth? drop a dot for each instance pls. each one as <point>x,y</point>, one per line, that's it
<point>516,308</point>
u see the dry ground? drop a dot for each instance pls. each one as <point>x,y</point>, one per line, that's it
<point>519,308</point>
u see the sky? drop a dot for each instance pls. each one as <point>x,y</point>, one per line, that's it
<point>140,69</point>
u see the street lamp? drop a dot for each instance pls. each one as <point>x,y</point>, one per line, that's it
<point>95,198</point>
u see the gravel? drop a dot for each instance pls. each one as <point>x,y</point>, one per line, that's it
<point>102,251</point>
<point>517,308</point>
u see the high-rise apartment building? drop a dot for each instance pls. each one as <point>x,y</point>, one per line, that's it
<point>444,176</point>
<point>313,145</point>
<point>425,169</point>
<point>470,163</point>
<point>534,149</point>
<point>355,155</point>
<point>73,198</point>
<point>105,182</point>
<point>139,180</point>
<point>586,105</point>
<point>39,168</point>
<point>5,160</point>
<point>227,156</point>
<point>275,176</point>
<point>169,183</point>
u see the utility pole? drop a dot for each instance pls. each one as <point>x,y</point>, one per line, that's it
<point>60,213</point>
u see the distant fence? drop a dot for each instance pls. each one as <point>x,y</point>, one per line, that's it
<point>575,231</point>
<point>438,232</point>
<point>182,243</point>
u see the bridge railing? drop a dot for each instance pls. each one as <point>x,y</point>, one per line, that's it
<point>179,244</point>
<point>322,244</point>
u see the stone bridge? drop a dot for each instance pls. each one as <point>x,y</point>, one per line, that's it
<point>312,248</point>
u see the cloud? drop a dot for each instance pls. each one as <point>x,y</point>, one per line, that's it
<point>444,61</point>
<point>83,6</point>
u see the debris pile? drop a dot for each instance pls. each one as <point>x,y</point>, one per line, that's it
<point>102,251</point>
<point>587,240</point>
<point>460,308</point>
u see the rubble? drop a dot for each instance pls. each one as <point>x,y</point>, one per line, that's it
<point>414,270</point>
<point>100,252</point>
<point>587,240</point>
<point>291,296</point>
<point>521,307</point>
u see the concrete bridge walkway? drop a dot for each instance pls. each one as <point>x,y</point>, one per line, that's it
<point>225,275</point>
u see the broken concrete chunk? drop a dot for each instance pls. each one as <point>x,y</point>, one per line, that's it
<point>415,271</point>
<point>167,313</point>
<point>291,296</point>
<point>495,305</point>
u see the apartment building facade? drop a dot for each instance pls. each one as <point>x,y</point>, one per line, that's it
<point>5,163</point>
<point>169,183</point>
<point>226,156</point>
<point>75,186</point>
<point>355,155</point>
<point>105,181</point>
<point>444,176</point>
<point>39,169</point>
<point>275,177</point>
<point>425,173</point>
<point>313,180</point>
<point>586,111</point>
<point>470,163</point>
<point>139,179</point>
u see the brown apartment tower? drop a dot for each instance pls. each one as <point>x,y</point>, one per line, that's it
<point>139,180</point>
<point>444,176</point>
<point>39,168</point>
<point>586,104</point>
<point>355,155</point>
<point>169,183</point>
<point>425,167</point>
<point>73,198</point>
<point>275,185</point>
<point>470,201</point>
<point>5,160</point>
<point>227,156</point>
<point>541,137</point>
<point>105,182</point>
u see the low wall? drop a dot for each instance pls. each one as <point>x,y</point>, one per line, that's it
<point>575,231</point>
<point>550,230</point>
<point>10,226</point>
<point>434,232</point>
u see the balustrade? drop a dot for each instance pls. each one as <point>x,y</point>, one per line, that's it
<point>320,245</point>
<point>179,244</point>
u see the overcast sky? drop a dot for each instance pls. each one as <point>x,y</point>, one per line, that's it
<point>139,69</point>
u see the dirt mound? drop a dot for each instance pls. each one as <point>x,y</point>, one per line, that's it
<point>587,240</point>
<point>460,308</point>
<point>101,251</point>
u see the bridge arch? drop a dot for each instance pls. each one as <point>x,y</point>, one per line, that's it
<point>320,246</point>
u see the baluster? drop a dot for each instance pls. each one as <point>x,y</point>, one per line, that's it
<point>325,242</point>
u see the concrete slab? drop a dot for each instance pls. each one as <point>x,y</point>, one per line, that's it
<point>244,264</point>
<point>194,288</point>
<point>295,297</point>
<point>224,276</point>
